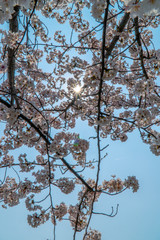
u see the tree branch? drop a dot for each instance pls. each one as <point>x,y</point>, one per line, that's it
<point>42,135</point>
<point>13,27</point>
<point>116,38</point>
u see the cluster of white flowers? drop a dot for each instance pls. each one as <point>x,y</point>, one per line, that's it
<point>132,182</point>
<point>43,176</point>
<point>155,146</point>
<point>39,28</point>
<point>123,137</point>
<point>78,150</point>
<point>79,223</point>
<point>134,50</point>
<point>36,219</point>
<point>11,38</point>
<point>89,196</point>
<point>24,188</point>
<point>111,72</point>
<point>7,8</point>
<point>142,8</point>
<point>61,143</point>
<point>117,185</point>
<point>11,115</point>
<point>58,37</point>
<point>24,164</point>
<point>104,121</point>
<point>8,192</point>
<point>60,211</point>
<point>143,117</point>
<point>52,147</point>
<point>142,87</point>
<point>30,204</point>
<point>66,186</point>
<point>11,198</point>
<point>108,75</point>
<point>93,235</point>
<point>7,160</point>
<point>114,185</point>
<point>57,148</point>
<point>98,7</point>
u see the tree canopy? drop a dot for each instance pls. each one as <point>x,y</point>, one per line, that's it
<point>65,63</point>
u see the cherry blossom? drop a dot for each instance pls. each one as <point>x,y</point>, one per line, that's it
<point>66,64</point>
<point>59,212</point>
<point>65,185</point>
<point>93,234</point>
<point>143,8</point>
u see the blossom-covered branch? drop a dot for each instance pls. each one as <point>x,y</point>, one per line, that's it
<point>62,88</point>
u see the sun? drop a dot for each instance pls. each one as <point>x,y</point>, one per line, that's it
<point>77,89</point>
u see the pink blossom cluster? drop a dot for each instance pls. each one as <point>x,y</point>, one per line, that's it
<point>117,185</point>
<point>142,8</point>
<point>132,182</point>
<point>114,185</point>
<point>93,234</point>
<point>36,219</point>
<point>155,145</point>
<point>8,192</point>
<point>98,7</point>
<point>77,218</point>
<point>66,185</point>
<point>7,8</point>
<point>11,115</point>
<point>59,211</point>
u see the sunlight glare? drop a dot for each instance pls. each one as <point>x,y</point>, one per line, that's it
<point>77,89</point>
